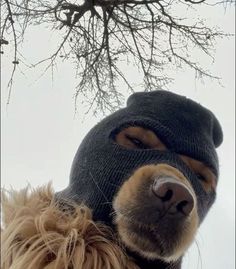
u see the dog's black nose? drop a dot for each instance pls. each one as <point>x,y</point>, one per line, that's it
<point>173,197</point>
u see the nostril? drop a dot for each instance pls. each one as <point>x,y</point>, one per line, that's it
<point>167,196</point>
<point>180,206</point>
<point>185,207</point>
<point>163,191</point>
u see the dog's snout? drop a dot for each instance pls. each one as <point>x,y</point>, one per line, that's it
<point>173,197</point>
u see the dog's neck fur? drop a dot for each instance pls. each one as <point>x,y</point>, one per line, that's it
<point>157,264</point>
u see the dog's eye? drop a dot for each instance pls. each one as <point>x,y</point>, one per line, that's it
<point>137,142</point>
<point>201,177</point>
<point>207,179</point>
<point>135,137</point>
<point>203,173</point>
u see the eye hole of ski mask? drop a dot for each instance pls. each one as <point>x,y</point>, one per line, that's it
<point>137,137</point>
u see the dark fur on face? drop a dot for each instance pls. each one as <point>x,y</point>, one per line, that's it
<point>152,228</point>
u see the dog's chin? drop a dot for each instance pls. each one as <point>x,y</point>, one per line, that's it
<point>153,243</point>
<point>140,238</point>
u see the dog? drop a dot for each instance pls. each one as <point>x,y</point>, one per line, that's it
<point>141,183</point>
<point>163,223</point>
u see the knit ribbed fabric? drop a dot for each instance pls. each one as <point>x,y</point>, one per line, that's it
<point>101,166</point>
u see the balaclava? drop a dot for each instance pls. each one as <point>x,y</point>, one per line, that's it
<point>101,165</point>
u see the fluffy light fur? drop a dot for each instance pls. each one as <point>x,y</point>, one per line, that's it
<point>37,234</point>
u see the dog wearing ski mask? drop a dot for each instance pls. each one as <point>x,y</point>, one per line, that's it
<point>141,183</point>
<point>150,172</point>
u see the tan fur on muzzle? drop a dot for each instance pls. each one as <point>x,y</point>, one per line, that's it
<point>37,234</point>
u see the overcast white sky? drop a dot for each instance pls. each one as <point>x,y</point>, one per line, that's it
<point>40,135</point>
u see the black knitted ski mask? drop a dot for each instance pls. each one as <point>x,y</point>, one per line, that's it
<point>101,166</point>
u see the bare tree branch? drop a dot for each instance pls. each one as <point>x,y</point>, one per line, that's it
<point>101,35</point>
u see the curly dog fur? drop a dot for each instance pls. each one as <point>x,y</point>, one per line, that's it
<point>37,234</point>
